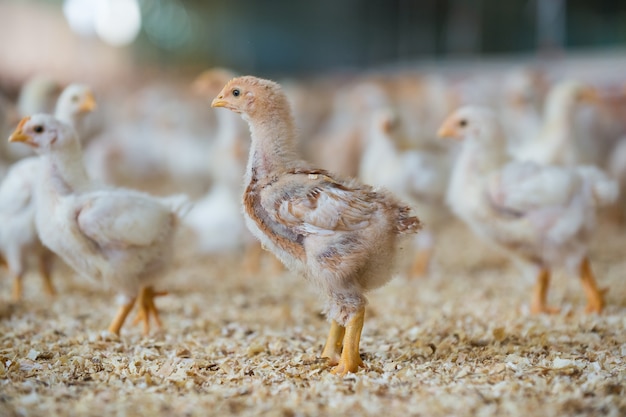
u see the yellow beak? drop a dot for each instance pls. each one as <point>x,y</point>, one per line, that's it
<point>89,103</point>
<point>219,102</point>
<point>18,135</point>
<point>447,130</point>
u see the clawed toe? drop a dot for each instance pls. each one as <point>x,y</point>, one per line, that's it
<point>148,308</point>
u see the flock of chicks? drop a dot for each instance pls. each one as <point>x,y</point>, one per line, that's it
<point>527,180</point>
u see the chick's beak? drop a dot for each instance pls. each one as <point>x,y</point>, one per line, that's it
<point>448,129</point>
<point>89,103</point>
<point>219,101</point>
<point>18,135</point>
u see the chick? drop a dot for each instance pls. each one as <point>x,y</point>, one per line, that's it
<point>38,95</point>
<point>339,234</point>
<point>18,238</point>
<point>541,216</point>
<point>120,237</point>
<point>215,218</point>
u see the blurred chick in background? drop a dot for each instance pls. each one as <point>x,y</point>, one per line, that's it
<point>541,216</point>
<point>419,177</point>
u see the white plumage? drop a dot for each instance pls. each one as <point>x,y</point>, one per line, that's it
<point>18,239</point>
<point>121,237</point>
<point>542,216</point>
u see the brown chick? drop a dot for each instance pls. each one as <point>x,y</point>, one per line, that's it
<point>339,234</point>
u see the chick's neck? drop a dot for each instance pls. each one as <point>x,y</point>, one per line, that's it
<point>559,113</point>
<point>483,159</point>
<point>64,170</point>
<point>273,146</point>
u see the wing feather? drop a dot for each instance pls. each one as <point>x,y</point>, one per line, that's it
<point>120,220</point>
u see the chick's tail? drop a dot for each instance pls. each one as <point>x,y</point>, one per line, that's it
<point>406,223</point>
<point>180,204</point>
<point>604,189</point>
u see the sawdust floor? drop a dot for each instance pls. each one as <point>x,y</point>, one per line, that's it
<point>459,342</point>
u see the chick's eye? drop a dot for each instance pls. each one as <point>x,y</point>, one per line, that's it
<point>38,129</point>
<point>463,123</point>
<point>236,92</point>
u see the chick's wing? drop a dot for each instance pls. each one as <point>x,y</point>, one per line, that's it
<point>321,205</point>
<point>119,220</point>
<point>521,188</point>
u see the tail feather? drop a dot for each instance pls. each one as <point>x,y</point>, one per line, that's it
<point>180,204</point>
<point>406,223</point>
<point>604,189</point>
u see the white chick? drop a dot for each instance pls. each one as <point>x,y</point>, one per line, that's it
<point>120,237</point>
<point>216,218</point>
<point>419,177</point>
<point>541,216</point>
<point>18,238</point>
<point>341,141</point>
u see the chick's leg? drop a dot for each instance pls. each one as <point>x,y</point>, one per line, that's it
<point>419,268</point>
<point>45,265</point>
<point>18,289</point>
<point>120,317</point>
<point>595,296</point>
<point>334,342</point>
<point>147,307</point>
<point>540,294</point>
<point>424,244</point>
<point>350,359</point>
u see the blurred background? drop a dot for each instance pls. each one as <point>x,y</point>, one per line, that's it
<point>370,83</point>
<point>102,40</point>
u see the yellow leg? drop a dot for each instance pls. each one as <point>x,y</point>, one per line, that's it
<point>595,296</point>
<point>421,262</point>
<point>120,317</point>
<point>334,342</point>
<point>540,295</point>
<point>147,308</point>
<point>18,289</point>
<point>45,262</point>
<point>350,359</point>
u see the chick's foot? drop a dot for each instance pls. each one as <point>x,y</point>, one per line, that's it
<point>147,308</point>
<point>595,296</point>
<point>334,343</point>
<point>350,360</point>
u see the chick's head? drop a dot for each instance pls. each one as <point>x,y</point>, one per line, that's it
<point>251,96</point>
<point>471,122</point>
<point>43,132</point>
<point>76,99</point>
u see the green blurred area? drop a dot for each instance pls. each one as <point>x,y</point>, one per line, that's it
<point>287,36</point>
